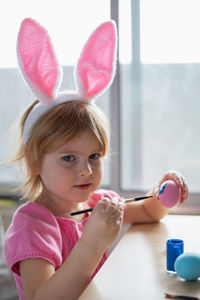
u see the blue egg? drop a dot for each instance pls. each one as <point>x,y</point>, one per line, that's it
<point>187,266</point>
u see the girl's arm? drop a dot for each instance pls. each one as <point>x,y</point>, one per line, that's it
<point>151,209</point>
<point>41,281</point>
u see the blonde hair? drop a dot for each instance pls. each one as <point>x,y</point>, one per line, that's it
<point>54,128</point>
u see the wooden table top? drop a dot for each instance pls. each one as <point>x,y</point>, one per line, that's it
<point>136,269</point>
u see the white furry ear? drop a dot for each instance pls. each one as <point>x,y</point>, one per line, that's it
<point>93,73</point>
<point>38,61</point>
<point>95,69</point>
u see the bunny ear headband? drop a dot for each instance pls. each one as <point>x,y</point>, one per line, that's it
<point>93,73</point>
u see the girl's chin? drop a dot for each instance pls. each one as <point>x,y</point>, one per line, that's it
<point>83,197</point>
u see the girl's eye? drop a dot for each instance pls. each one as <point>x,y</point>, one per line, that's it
<point>68,158</point>
<point>95,156</point>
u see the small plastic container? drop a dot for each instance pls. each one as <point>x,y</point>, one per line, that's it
<point>174,248</point>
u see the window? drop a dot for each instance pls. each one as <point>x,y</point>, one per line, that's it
<point>160,95</point>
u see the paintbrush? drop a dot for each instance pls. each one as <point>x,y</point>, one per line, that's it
<point>126,201</point>
<point>171,296</point>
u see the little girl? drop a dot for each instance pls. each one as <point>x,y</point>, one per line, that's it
<point>64,138</point>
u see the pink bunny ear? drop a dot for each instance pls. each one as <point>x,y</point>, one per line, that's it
<point>38,61</point>
<point>96,66</point>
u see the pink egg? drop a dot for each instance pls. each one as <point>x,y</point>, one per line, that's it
<point>169,193</point>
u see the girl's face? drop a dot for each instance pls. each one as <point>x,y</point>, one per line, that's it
<point>72,172</point>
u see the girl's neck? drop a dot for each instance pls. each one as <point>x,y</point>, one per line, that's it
<point>61,210</point>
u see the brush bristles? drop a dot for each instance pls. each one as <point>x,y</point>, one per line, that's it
<point>169,296</point>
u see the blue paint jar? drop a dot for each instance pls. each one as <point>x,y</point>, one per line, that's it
<point>174,248</point>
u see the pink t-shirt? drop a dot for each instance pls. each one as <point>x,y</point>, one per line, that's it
<point>36,233</point>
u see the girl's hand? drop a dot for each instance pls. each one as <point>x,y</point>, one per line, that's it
<point>178,178</point>
<point>104,223</point>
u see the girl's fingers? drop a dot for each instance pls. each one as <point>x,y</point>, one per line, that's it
<point>155,192</point>
<point>103,203</point>
<point>119,212</point>
<point>115,207</point>
<point>119,220</point>
<point>184,192</point>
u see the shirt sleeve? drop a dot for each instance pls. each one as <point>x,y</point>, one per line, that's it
<point>100,194</point>
<point>34,233</point>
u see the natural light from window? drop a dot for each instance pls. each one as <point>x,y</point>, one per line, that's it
<point>170,31</point>
<point>65,20</point>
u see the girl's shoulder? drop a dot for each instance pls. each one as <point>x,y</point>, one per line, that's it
<point>34,232</point>
<point>100,194</point>
<point>32,219</point>
<point>34,211</point>
<point>32,214</point>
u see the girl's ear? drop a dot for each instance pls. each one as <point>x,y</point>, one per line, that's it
<point>35,170</point>
<point>38,61</point>
<point>96,66</point>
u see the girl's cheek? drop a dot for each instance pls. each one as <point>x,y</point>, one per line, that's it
<point>67,165</point>
<point>94,165</point>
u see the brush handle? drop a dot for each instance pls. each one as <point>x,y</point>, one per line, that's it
<point>172,296</point>
<point>126,201</point>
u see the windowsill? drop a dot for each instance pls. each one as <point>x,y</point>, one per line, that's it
<point>185,210</point>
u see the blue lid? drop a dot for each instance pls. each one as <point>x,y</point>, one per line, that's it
<point>175,247</point>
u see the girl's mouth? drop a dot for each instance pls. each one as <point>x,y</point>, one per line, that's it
<point>83,186</point>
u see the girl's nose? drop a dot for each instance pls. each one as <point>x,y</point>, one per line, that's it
<point>85,169</point>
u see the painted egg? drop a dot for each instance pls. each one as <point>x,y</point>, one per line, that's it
<point>169,193</point>
<point>187,266</point>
